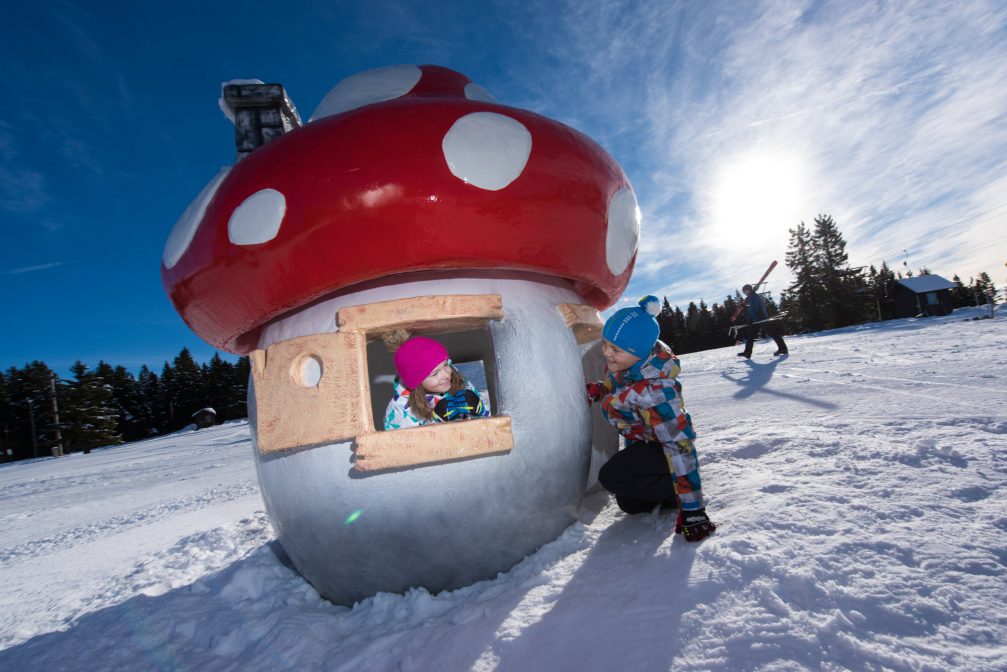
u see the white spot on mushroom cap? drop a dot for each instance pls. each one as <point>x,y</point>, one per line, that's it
<point>474,91</point>
<point>257,220</point>
<point>623,230</point>
<point>187,225</point>
<point>368,87</point>
<point>486,149</point>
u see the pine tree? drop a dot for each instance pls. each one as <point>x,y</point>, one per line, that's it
<point>983,288</point>
<point>217,380</point>
<point>30,402</point>
<point>186,388</point>
<point>804,297</point>
<point>135,417</point>
<point>5,421</point>
<point>841,305</point>
<point>169,404</point>
<point>771,307</point>
<point>826,292</point>
<point>877,291</point>
<point>731,304</point>
<point>960,294</point>
<point>153,401</point>
<point>721,323</point>
<point>690,338</point>
<point>89,417</point>
<point>704,325</point>
<point>680,333</point>
<point>672,322</point>
<point>238,405</point>
<point>664,322</point>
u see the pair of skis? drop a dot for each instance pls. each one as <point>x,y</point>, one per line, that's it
<point>755,288</point>
<point>738,327</point>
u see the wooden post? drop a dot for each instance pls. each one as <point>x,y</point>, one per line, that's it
<point>31,423</point>
<point>57,450</point>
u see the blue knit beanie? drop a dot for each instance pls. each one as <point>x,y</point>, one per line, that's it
<point>634,329</point>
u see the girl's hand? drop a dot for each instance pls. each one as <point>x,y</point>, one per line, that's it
<point>459,405</point>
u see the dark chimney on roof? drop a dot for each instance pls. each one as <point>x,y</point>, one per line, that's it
<point>261,112</point>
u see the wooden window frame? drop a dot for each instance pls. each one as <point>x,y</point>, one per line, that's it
<point>297,411</point>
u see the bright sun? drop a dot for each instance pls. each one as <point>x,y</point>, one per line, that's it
<point>755,195</point>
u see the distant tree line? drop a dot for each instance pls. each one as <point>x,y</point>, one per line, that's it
<point>108,405</point>
<point>827,293</point>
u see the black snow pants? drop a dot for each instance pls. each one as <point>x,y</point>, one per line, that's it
<point>639,477</point>
<point>772,329</point>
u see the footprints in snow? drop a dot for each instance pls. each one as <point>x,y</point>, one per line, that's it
<point>752,450</point>
<point>972,494</point>
<point>927,451</point>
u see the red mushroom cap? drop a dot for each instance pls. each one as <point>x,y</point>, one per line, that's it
<point>436,176</point>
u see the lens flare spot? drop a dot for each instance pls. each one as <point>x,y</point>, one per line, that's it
<point>352,518</point>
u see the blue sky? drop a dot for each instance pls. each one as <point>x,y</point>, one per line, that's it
<point>733,120</point>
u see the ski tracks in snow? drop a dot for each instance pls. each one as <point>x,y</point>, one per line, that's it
<point>115,525</point>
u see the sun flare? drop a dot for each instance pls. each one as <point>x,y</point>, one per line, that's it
<point>755,195</point>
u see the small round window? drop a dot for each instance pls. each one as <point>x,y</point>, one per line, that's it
<point>307,371</point>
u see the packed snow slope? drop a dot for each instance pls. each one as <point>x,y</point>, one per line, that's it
<point>860,487</point>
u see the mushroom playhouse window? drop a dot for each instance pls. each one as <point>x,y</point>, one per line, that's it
<point>471,354</point>
<point>460,323</point>
<point>316,389</point>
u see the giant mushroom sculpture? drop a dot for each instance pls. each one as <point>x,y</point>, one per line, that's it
<point>411,199</point>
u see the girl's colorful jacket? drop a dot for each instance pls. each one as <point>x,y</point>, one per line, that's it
<point>645,404</point>
<point>398,415</point>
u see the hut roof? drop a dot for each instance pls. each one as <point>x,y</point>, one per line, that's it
<point>926,283</point>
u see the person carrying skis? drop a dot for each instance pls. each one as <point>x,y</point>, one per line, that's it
<point>642,397</point>
<point>757,313</point>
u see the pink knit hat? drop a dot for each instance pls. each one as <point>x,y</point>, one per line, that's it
<point>416,358</point>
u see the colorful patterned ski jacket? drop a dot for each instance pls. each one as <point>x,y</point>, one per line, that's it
<point>398,415</point>
<point>645,404</point>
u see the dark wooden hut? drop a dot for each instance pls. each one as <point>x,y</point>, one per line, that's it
<point>922,295</point>
<point>204,417</point>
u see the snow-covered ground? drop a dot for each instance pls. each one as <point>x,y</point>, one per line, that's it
<point>860,488</point>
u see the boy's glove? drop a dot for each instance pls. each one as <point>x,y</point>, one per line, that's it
<point>459,405</point>
<point>694,525</point>
<point>595,392</point>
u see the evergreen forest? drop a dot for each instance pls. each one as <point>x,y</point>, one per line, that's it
<point>44,414</point>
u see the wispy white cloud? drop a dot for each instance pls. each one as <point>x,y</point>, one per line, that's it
<point>896,113</point>
<point>736,121</point>
<point>21,189</point>
<point>31,269</point>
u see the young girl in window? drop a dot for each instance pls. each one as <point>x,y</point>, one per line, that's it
<point>428,388</point>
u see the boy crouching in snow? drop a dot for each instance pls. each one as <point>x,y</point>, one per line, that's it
<point>642,398</point>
